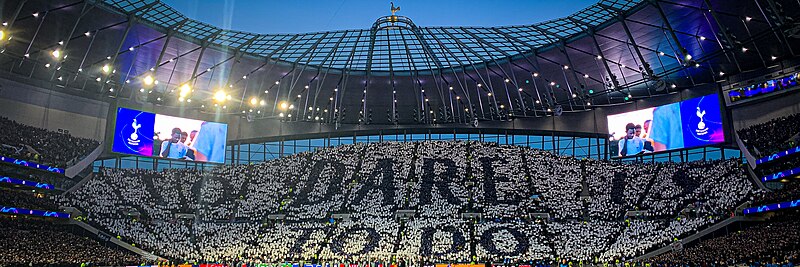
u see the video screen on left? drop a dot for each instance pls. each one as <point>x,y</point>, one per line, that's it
<point>155,135</point>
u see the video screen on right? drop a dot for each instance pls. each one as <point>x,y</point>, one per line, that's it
<point>690,123</point>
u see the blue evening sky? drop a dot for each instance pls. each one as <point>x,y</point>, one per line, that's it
<point>300,16</point>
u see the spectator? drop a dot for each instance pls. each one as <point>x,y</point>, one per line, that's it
<point>281,210</point>
<point>772,136</point>
<point>55,149</point>
<point>31,242</point>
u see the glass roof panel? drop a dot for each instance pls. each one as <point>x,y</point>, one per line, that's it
<point>395,47</point>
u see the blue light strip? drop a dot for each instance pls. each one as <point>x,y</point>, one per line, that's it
<point>778,155</point>
<point>781,174</point>
<point>6,179</point>
<point>32,164</point>
<point>772,207</point>
<point>42,213</point>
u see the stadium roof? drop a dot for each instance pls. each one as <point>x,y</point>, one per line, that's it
<point>610,53</point>
<point>392,44</point>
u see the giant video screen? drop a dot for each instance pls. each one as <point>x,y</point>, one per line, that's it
<point>155,135</point>
<point>690,123</point>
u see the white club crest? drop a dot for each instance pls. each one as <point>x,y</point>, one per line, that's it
<point>134,138</point>
<point>701,126</point>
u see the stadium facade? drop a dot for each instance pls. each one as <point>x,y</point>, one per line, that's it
<point>555,78</point>
<point>620,132</point>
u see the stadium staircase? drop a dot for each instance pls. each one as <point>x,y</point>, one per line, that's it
<point>95,231</point>
<point>412,174</point>
<point>329,230</point>
<point>473,242</point>
<point>751,160</point>
<point>585,195</point>
<point>326,241</point>
<point>79,184</point>
<point>31,149</point>
<point>754,177</point>
<point>648,187</point>
<point>399,234</point>
<point>84,163</point>
<point>698,235</point>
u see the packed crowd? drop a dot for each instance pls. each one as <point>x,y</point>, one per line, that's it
<point>26,200</point>
<point>31,242</point>
<point>789,192</point>
<point>501,240</point>
<point>777,166</point>
<point>769,137</point>
<point>39,145</point>
<point>774,242</point>
<point>235,207</point>
<point>437,239</point>
<point>366,237</point>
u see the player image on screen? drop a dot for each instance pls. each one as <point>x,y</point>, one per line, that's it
<point>631,144</point>
<point>206,143</point>
<point>189,139</point>
<point>690,123</point>
<point>174,148</point>
<point>638,123</point>
<point>666,127</point>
